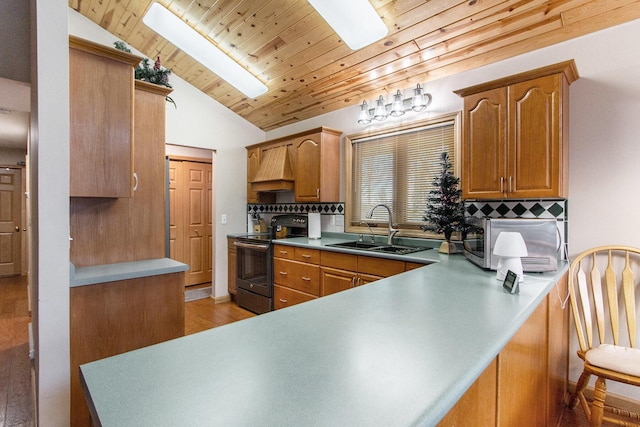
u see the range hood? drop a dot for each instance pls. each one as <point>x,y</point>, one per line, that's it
<point>275,172</point>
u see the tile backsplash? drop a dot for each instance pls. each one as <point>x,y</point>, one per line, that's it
<point>293,208</point>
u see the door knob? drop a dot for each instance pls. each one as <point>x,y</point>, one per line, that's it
<point>17,228</point>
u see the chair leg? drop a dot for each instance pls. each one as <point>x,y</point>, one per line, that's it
<point>597,406</point>
<point>583,381</point>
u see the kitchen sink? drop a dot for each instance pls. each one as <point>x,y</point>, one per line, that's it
<point>378,247</point>
<point>355,245</point>
<point>399,250</point>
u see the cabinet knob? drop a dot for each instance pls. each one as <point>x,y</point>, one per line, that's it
<point>284,273</point>
<point>135,181</point>
<point>308,279</point>
<point>510,184</point>
<point>502,184</point>
<point>284,301</point>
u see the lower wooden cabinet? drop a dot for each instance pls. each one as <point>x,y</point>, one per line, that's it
<point>115,317</point>
<point>526,384</point>
<point>296,275</point>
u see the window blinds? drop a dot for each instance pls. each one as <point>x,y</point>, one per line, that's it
<point>398,169</point>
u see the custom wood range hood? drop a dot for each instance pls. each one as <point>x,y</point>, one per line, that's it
<point>275,172</point>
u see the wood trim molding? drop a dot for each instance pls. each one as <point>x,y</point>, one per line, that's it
<point>153,88</point>
<point>189,159</point>
<point>105,51</point>
<point>567,68</point>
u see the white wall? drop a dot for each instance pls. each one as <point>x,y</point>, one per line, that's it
<point>201,122</point>
<point>11,156</point>
<point>604,199</point>
<point>49,200</point>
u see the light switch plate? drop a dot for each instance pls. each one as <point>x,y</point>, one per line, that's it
<point>223,218</point>
<point>339,219</point>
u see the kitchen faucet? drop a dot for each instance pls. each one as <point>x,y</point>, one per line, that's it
<point>392,231</point>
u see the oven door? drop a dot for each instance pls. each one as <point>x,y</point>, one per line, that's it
<point>254,267</point>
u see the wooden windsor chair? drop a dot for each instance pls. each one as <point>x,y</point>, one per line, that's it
<point>606,357</point>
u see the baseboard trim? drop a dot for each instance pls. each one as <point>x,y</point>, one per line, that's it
<point>615,403</point>
<point>223,298</point>
<point>196,294</point>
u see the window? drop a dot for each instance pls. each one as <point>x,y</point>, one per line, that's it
<point>396,167</point>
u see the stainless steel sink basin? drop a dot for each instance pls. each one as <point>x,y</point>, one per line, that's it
<point>399,250</point>
<point>378,247</point>
<point>355,245</point>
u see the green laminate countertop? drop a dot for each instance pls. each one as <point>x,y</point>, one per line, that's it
<point>82,276</point>
<point>397,352</point>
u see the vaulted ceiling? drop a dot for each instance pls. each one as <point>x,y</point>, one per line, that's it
<point>310,71</point>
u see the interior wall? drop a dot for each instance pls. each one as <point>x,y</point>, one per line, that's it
<point>49,207</point>
<point>604,127</point>
<point>12,156</point>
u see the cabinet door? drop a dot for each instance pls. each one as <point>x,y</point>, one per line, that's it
<point>484,145</point>
<point>364,279</point>
<point>101,126</point>
<point>333,280</point>
<point>253,164</point>
<point>534,135</point>
<point>148,202</point>
<point>307,168</point>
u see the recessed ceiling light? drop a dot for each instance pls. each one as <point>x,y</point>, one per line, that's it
<point>355,21</point>
<point>178,32</point>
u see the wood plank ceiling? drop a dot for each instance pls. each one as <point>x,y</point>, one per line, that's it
<point>310,71</point>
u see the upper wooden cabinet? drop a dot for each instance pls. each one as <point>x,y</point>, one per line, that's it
<point>317,167</point>
<point>516,135</point>
<point>101,120</point>
<point>112,230</point>
<point>307,163</point>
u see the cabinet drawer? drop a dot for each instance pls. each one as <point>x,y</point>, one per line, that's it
<point>339,260</point>
<point>297,275</point>
<point>379,266</point>
<point>282,251</point>
<point>285,297</point>
<point>311,256</point>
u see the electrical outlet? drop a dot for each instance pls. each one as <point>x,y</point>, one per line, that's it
<point>223,218</point>
<point>339,219</point>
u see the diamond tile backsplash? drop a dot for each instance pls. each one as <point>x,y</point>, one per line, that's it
<point>293,208</point>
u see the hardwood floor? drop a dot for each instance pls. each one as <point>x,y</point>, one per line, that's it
<point>203,314</point>
<point>16,404</point>
<point>16,407</point>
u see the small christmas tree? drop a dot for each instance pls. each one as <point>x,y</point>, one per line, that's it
<point>445,209</point>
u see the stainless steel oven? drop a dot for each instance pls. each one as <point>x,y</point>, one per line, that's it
<point>254,269</point>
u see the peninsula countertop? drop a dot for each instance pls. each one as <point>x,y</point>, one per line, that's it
<point>399,351</point>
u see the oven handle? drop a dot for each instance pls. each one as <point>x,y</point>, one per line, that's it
<point>255,246</point>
